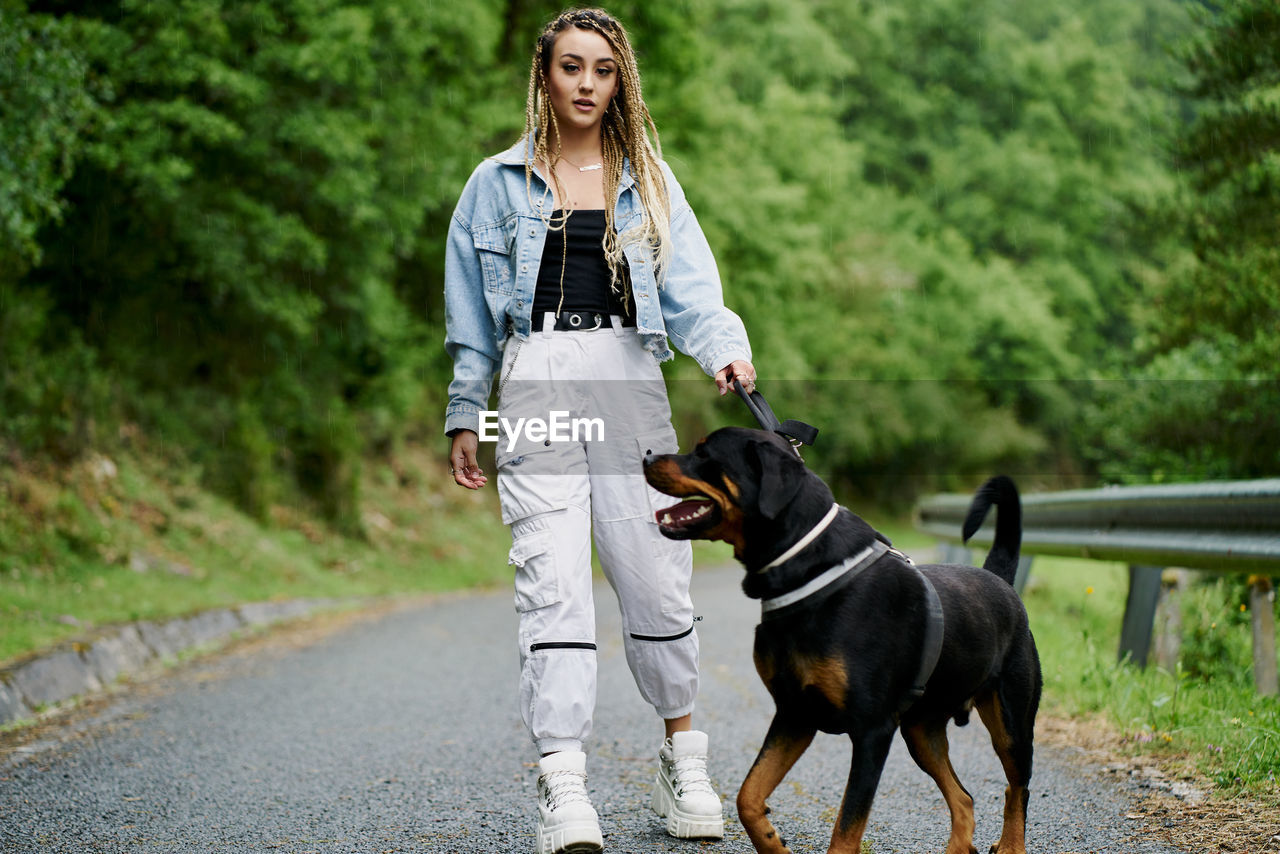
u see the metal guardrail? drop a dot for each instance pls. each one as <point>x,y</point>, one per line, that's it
<point>1230,526</point>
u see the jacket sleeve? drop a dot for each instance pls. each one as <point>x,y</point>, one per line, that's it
<point>470,331</point>
<point>692,300</point>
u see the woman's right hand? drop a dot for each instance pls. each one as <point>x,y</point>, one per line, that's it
<point>462,460</point>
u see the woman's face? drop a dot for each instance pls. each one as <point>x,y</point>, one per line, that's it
<point>582,79</point>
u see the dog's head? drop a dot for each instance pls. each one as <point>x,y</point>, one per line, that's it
<point>733,486</point>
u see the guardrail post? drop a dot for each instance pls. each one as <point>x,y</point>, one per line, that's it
<point>1262,597</point>
<point>1023,573</point>
<point>1168,628</point>
<point>1140,613</point>
<point>951,553</point>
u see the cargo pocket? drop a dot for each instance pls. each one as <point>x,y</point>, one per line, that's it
<point>661,441</point>
<point>671,560</point>
<point>533,556</point>
<point>532,482</point>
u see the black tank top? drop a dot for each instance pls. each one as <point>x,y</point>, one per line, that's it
<point>580,244</point>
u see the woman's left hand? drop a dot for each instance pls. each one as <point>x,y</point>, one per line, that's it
<point>740,370</point>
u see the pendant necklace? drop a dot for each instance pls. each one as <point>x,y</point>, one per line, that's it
<point>590,168</point>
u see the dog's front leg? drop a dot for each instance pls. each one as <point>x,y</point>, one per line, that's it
<point>784,744</point>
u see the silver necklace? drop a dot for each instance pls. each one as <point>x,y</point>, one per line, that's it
<point>590,168</point>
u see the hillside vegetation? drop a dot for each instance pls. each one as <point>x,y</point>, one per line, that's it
<point>964,234</point>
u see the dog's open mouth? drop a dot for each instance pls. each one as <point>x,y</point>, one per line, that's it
<point>688,517</point>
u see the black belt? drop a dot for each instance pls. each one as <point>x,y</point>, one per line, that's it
<point>578,321</point>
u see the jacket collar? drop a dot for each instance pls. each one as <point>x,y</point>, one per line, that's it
<point>522,151</point>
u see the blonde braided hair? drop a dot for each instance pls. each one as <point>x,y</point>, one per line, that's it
<point>623,135</point>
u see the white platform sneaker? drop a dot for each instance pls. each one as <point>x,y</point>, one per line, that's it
<point>683,794</point>
<point>567,823</point>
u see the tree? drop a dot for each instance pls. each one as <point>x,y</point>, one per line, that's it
<point>1206,402</point>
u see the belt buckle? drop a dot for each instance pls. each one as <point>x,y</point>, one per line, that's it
<point>575,321</point>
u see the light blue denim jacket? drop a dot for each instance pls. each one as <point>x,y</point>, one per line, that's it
<point>491,269</point>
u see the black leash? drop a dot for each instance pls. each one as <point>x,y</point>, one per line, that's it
<point>796,432</point>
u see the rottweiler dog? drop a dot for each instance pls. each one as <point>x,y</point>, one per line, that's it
<point>856,639</point>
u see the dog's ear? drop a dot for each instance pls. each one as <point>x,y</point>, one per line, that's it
<point>781,475</point>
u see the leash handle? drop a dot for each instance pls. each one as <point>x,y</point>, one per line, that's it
<point>759,407</point>
<point>796,432</point>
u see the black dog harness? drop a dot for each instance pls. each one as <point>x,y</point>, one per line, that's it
<point>821,587</point>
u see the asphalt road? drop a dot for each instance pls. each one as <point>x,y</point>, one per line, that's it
<point>400,734</point>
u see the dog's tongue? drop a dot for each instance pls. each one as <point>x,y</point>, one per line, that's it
<point>685,513</point>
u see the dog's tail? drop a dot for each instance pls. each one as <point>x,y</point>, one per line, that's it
<point>1003,557</point>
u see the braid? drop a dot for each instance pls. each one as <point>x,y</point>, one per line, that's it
<point>625,134</point>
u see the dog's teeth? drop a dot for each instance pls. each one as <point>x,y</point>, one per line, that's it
<point>666,518</point>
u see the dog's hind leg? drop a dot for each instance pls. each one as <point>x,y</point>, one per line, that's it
<point>784,744</point>
<point>870,749</point>
<point>927,742</point>
<point>1010,721</point>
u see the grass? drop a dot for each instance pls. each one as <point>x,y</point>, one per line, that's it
<point>1204,718</point>
<point>110,541</point>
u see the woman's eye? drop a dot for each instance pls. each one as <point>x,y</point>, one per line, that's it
<point>604,72</point>
<point>569,68</point>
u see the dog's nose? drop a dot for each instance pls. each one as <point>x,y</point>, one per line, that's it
<point>648,457</point>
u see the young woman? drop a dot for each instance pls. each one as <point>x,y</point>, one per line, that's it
<point>572,258</point>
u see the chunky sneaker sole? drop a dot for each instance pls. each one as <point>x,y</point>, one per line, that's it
<point>581,838</point>
<point>682,825</point>
<point>567,823</point>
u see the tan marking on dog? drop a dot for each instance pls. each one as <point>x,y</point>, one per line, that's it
<point>828,675</point>
<point>849,841</point>
<point>766,668</point>
<point>665,476</point>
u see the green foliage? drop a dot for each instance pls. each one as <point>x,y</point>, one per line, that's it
<point>935,216</point>
<point>1216,632</point>
<point>929,214</point>
<point>1205,401</point>
<point>56,403</point>
<point>236,218</point>
<point>1232,302</point>
<point>43,107</point>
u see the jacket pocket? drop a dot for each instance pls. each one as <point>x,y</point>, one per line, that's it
<point>494,246</point>
<point>533,556</point>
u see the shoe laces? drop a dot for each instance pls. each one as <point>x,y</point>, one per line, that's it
<point>564,787</point>
<point>689,776</point>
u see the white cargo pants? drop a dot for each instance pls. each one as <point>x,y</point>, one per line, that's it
<point>557,489</point>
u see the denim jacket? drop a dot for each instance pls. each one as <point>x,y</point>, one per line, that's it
<point>491,270</point>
